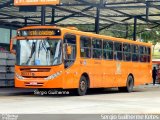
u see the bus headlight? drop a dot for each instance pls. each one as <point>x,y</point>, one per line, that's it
<point>53,76</point>
<point>19,77</point>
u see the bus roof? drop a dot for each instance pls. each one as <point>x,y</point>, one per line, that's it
<point>87,34</point>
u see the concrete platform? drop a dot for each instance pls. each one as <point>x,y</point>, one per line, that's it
<point>144,99</point>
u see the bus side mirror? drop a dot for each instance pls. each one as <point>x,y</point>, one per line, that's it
<point>11,46</point>
<point>69,50</point>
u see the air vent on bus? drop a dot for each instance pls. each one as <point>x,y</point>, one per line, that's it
<point>35,69</point>
<point>34,76</point>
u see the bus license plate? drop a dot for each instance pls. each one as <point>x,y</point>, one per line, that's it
<point>26,74</point>
<point>33,83</point>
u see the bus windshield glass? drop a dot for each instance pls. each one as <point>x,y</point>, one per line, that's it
<point>39,52</point>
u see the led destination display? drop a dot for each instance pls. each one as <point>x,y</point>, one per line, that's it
<point>35,2</point>
<point>39,32</point>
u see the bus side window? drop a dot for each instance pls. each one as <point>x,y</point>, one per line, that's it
<point>107,49</point>
<point>126,52</point>
<point>135,53</point>
<point>69,40</point>
<point>146,54</point>
<point>97,48</point>
<point>142,53</point>
<point>149,54</point>
<point>117,51</point>
<point>85,48</point>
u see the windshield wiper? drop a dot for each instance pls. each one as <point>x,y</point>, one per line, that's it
<point>32,52</point>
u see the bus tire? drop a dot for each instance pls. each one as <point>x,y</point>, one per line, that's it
<point>83,86</point>
<point>129,85</point>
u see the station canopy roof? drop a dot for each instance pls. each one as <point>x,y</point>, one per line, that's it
<point>73,12</point>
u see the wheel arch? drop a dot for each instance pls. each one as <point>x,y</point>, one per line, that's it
<point>87,78</point>
<point>130,74</point>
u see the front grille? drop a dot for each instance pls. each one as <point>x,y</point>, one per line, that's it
<point>35,76</point>
<point>35,69</point>
<point>35,72</point>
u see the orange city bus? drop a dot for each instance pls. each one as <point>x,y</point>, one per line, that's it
<point>51,57</point>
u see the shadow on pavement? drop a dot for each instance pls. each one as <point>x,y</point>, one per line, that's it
<point>57,93</point>
<point>15,91</point>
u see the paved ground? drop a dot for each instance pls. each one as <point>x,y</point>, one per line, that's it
<point>144,99</point>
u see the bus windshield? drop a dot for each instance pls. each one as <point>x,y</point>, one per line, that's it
<point>39,52</point>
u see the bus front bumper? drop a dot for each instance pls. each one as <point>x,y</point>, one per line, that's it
<point>39,83</point>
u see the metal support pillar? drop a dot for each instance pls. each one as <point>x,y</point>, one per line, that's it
<point>97,21</point>
<point>126,31</point>
<point>53,16</point>
<point>10,32</point>
<point>147,10</point>
<point>25,22</point>
<point>43,12</point>
<point>135,28</point>
<point>102,3</point>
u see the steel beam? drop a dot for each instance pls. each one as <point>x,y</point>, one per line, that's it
<point>147,10</point>
<point>82,13</point>
<point>101,5</point>
<point>90,4</point>
<point>110,5</point>
<point>56,16</point>
<point>14,16</point>
<point>138,17</point>
<point>97,21</point>
<point>43,12</point>
<point>73,14</point>
<point>53,16</point>
<point>72,11</point>
<point>135,28</point>
<point>121,3</point>
<point>114,15</point>
<point>108,26</point>
<point>10,30</point>
<point>155,20</point>
<point>71,4</point>
<point>9,25</point>
<point>124,7</point>
<point>153,6</point>
<point>25,22</point>
<point>6,4</point>
<point>60,16</point>
<point>150,21</point>
<point>145,30</point>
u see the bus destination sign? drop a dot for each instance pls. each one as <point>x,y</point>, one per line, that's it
<point>39,32</point>
<point>35,2</point>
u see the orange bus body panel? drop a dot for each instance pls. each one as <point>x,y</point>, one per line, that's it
<point>102,73</point>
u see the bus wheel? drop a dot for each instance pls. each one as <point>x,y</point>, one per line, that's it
<point>129,85</point>
<point>83,85</point>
